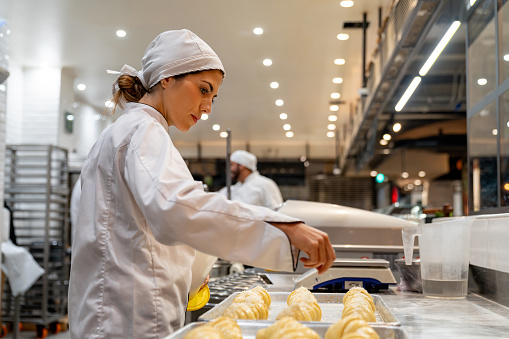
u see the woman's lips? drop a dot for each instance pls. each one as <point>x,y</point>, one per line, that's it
<point>195,119</point>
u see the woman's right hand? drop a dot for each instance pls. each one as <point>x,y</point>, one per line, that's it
<point>313,242</point>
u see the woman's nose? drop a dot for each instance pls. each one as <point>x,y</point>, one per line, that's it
<point>206,106</point>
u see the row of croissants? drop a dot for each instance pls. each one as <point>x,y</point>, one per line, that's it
<point>358,310</point>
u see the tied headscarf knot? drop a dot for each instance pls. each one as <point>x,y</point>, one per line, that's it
<point>126,70</point>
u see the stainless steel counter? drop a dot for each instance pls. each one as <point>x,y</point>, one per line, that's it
<point>473,317</point>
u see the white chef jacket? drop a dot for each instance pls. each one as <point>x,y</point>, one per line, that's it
<point>256,190</point>
<point>141,216</point>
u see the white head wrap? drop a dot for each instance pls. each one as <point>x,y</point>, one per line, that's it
<point>173,53</point>
<point>245,159</point>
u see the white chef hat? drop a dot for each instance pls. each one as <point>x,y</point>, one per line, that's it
<point>172,53</point>
<point>245,159</point>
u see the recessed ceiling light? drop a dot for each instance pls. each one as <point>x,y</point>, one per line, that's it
<point>339,61</point>
<point>81,87</point>
<point>404,175</point>
<point>387,151</point>
<point>258,31</point>
<point>346,3</point>
<point>494,132</point>
<point>121,33</point>
<point>109,104</point>
<point>506,57</point>
<point>267,62</point>
<point>283,116</point>
<point>417,182</point>
<point>387,136</point>
<point>422,174</point>
<point>279,102</point>
<point>482,82</point>
<point>335,95</point>
<point>396,127</point>
<point>333,117</point>
<point>343,36</point>
<point>204,116</point>
<point>216,127</point>
<point>223,134</point>
<point>289,134</point>
<point>287,127</point>
<point>373,173</point>
<point>70,117</point>
<point>331,127</point>
<point>274,84</point>
<point>334,108</point>
<point>383,142</point>
<point>337,80</point>
<point>331,134</point>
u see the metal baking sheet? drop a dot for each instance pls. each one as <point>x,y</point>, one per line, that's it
<point>249,329</point>
<point>330,303</point>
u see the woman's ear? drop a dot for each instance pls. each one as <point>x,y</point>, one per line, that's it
<point>166,82</point>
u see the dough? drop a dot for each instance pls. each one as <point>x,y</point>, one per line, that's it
<point>358,301</point>
<point>251,308</point>
<point>302,306</point>
<point>351,327</point>
<point>287,328</point>
<point>219,328</point>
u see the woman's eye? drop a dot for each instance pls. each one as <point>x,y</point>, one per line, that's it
<point>204,90</point>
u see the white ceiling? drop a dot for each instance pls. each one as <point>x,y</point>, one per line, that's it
<point>299,36</point>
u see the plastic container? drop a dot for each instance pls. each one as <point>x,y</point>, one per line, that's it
<point>444,249</point>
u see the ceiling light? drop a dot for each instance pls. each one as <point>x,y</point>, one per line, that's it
<point>306,163</point>
<point>387,136</point>
<point>373,173</point>
<point>387,151</point>
<point>333,117</point>
<point>81,87</point>
<point>287,127</point>
<point>121,33</point>
<point>274,84</point>
<point>404,175</point>
<point>441,45</point>
<point>216,127</point>
<point>289,134</point>
<point>494,132</point>
<point>331,127</point>
<point>302,158</point>
<point>331,134</point>
<point>204,116</point>
<point>417,182</point>
<point>279,102</point>
<point>506,57</point>
<point>337,80</point>
<point>410,186</point>
<point>472,2</point>
<point>422,174</point>
<point>482,82</point>
<point>283,116</point>
<point>507,124</point>
<point>2,88</point>
<point>70,117</point>
<point>109,104</point>
<point>339,61</point>
<point>223,134</point>
<point>408,93</point>
<point>258,31</point>
<point>396,127</point>
<point>383,142</point>
<point>335,95</point>
<point>343,36</point>
<point>267,62</point>
<point>346,3</point>
<point>334,108</point>
<point>506,186</point>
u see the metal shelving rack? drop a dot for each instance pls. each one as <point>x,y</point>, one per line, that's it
<point>37,190</point>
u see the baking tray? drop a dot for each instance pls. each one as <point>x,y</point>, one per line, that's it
<point>249,329</point>
<point>330,303</point>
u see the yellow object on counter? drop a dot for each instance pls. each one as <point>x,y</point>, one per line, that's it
<point>200,299</point>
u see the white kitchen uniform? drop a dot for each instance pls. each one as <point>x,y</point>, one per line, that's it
<point>140,216</point>
<point>256,190</point>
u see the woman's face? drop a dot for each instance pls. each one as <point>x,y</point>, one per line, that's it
<point>186,99</point>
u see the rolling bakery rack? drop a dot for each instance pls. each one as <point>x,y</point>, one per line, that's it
<point>37,191</point>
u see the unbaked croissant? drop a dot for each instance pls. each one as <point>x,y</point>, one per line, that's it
<point>300,294</point>
<point>251,308</point>
<point>351,327</point>
<point>258,290</point>
<point>358,301</point>
<point>302,311</point>
<point>287,328</point>
<point>219,328</point>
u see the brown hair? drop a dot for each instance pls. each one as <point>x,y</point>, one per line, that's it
<point>130,89</point>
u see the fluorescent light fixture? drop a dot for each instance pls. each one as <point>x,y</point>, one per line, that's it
<point>441,45</point>
<point>333,117</point>
<point>482,81</point>
<point>334,108</point>
<point>339,61</point>
<point>216,127</point>
<point>279,102</point>
<point>274,84</point>
<point>335,95</point>
<point>408,93</point>
<point>287,127</point>
<point>258,31</point>
<point>331,134</point>
<point>396,127</point>
<point>267,62</point>
<point>289,134</point>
